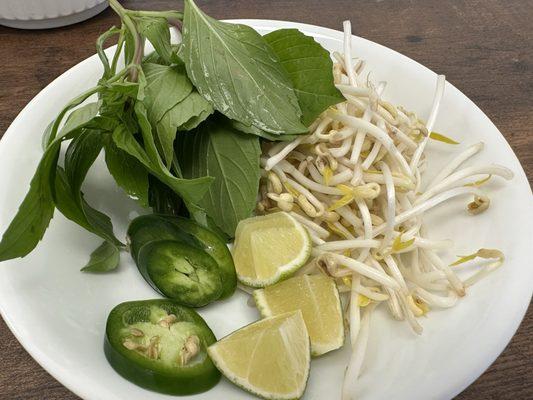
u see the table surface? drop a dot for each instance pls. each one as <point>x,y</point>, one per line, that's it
<point>484,47</point>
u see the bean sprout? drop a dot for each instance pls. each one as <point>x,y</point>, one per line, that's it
<point>355,184</point>
<point>358,355</point>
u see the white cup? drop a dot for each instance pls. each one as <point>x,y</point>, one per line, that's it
<point>44,14</point>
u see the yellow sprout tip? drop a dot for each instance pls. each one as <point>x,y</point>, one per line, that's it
<point>442,138</point>
<point>479,182</point>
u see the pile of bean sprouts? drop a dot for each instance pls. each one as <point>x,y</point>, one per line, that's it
<point>355,183</point>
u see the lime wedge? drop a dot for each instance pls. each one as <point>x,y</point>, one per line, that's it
<point>269,358</point>
<point>269,248</point>
<point>317,297</point>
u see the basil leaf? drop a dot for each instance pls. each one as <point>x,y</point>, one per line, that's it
<point>233,67</point>
<point>78,210</point>
<point>45,139</point>
<point>105,258</point>
<point>129,173</point>
<point>37,209</point>
<point>154,58</point>
<point>185,115</point>
<point>195,107</point>
<point>112,102</point>
<point>125,88</point>
<point>216,149</point>
<point>191,190</point>
<point>126,141</point>
<point>66,201</point>
<point>310,70</point>
<point>148,136</point>
<point>101,223</point>
<point>156,30</point>
<point>34,214</point>
<point>196,120</point>
<point>78,118</point>
<point>261,133</point>
<point>165,87</point>
<point>80,156</point>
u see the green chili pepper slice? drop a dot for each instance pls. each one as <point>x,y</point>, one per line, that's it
<point>147,228</point>
<point>180,272</point>
<point>160,345</point>
<point>215,246</point>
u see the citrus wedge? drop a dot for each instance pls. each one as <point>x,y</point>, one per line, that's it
<point>269,248</point>
<point>269,358</point>
<point>317,297</point>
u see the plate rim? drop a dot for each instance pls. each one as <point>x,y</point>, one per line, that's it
<point>48,364</point>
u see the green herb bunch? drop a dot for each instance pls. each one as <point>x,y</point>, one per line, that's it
<point>180,127</point>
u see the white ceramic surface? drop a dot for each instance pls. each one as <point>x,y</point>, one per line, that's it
<point>44,14</point>
<point>59,314</point>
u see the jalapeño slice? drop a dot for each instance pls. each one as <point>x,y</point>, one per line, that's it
<point>181,272</point>
<point>160,345</point>
<point>215,246</point>
<point>147,228</point>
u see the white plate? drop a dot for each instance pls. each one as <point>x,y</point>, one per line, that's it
<point>58,313</point>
